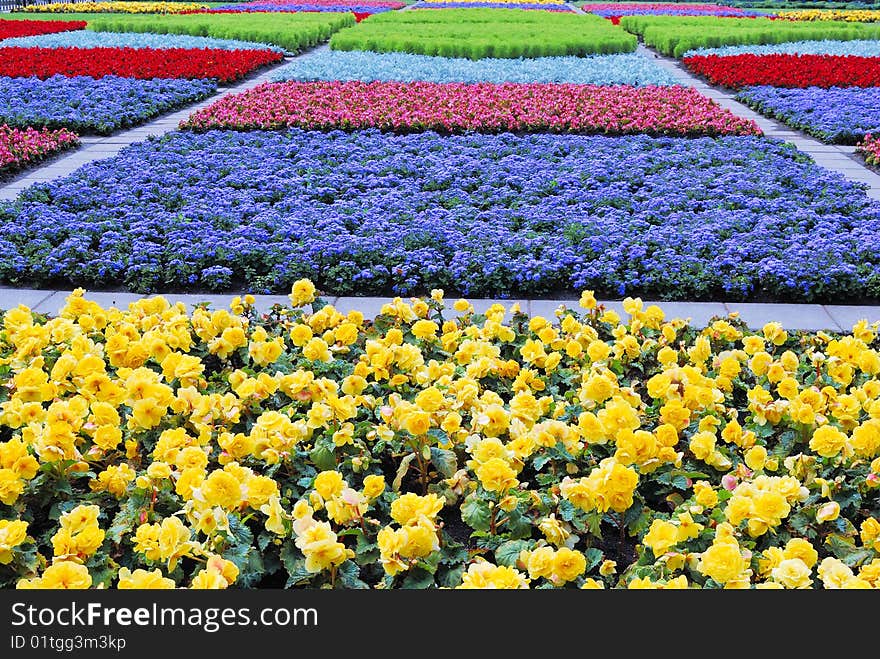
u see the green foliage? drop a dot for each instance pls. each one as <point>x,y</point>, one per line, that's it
<point>676,35</point>
<point>481,33</point>
<point>291,31</point>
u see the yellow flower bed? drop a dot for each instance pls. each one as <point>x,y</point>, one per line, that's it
<point>115,7</point>
<point>851,15</point>
<point>160,448</point>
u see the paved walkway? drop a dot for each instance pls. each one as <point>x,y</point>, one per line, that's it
<point>97,148</point>
<point>836,318</point>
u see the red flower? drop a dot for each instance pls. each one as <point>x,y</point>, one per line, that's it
<point>10,29</point>
<point>787,70</point>
<point>144,63</point>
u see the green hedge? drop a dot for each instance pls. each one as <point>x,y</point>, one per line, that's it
<point>479,33</point>
<point>675,35</point>
<point>292,32</point>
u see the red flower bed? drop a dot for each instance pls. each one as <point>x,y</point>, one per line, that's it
<point>787,70</point>
<point>225,65</point>
<point>458,107</point>
<point>10,29</point>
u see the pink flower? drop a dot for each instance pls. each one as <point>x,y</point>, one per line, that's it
<point>460,107</point>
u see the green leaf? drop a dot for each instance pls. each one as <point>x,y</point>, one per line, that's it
<point>594,523</point>
<point>679,482</point>
<point>240,533</point>
<point>350,576</point>
<point>567,510</point>
<point>784,444</point>
<point>125,519</point>
<point>539,462</point>
<point>475,513</point>
<point>508,552</point>
<point>401,471</point>
<point>849,499</point>
<point>450,578</point>
<point>418,579</point>
<point>323,457</point>
<point>518,525</point>
<point>102,573</point>
<point>847,552</point>
<point>295,565</point>
<point>593,556</point>
<point>800,523</point>
<point>249,563</point>
<point>445,461</point>
<point>430,562</point>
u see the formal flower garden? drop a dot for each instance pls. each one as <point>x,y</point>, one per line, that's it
<point>428,153</point>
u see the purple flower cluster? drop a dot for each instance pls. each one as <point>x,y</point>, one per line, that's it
<point>493,215</point>
<point>838,115</point>
<point>89,105</point>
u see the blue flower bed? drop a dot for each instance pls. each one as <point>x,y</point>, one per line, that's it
<point>860,48</point>
<point>87,105</point>
<point>483,215</point>
<point>88,39</point>
<point>628,69</point>
<point>836,115</point>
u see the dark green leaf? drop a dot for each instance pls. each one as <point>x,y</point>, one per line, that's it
<point>508,552</point>
<point>450,578</point>
<point>418,579</point>
<point>475,513</point>
<point>295,565</point>
<point>350,576</point>
<point>323,457</point>
<point>445,461</point>
<point>593,556</point>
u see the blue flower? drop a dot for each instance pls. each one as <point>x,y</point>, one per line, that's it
<point>88,105</point>
<point>483,215</point>
<point>838,115</point>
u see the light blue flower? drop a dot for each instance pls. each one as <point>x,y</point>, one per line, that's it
<point>860,47</point>
<point>627,69</point>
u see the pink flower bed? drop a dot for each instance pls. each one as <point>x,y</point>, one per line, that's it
<point>870,149</point>
<point>485,107</point>
<point>21,146</point>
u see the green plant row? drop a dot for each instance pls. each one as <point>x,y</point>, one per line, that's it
<point>675,35</point>
<point>291,31</point>
<point>478,33</point>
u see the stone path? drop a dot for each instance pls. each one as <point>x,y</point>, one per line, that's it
<point>97,147</point>
<point>836,318</point>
